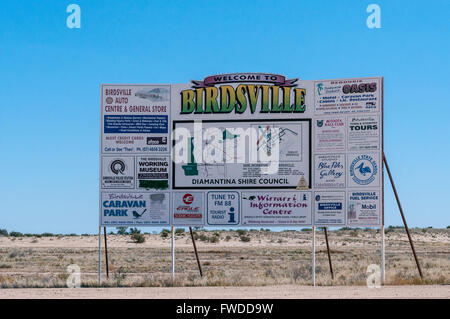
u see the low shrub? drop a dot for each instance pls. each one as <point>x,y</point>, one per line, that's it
<point>16,253</point>
<point>165,233</point>
<point>214,239</point>
<point>134,231</point>
<point>120,276</point>
<point>15,234</point>
<point>241,232</point>
<point>179,231</point>
<point>245,239</point>
<point>210,239</point>
<point>47,235</point>
<point>138,238</point>
<point>122,231</point>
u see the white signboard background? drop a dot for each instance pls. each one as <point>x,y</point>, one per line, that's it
<point>345,119</point>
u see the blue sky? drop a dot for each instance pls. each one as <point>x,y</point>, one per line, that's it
<point>51,75</point>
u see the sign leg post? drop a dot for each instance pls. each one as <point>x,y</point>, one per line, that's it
<point>106,254</point>
<point>313,256</point>
<point>383,260</point>
<point>403,216</point>
<point>173,255</point>
<point>99,254</point>
<point>329,254</point>
<point>196,253</point>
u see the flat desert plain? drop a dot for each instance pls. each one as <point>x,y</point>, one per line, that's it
<point>254,264</point>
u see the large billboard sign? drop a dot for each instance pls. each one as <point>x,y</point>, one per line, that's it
<point>244,149</point>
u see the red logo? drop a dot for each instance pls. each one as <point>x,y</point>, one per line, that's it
<point>188,199</point>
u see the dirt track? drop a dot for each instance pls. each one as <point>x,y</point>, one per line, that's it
<point>270,292</point>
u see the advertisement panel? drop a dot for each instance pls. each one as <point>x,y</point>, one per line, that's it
<point>363,133</point>
<point>329,208</point>
<point>223,208</point>
<point>363,208</point>
<point>134,209</point>
<point>117,172</point>
<point>329,171</point>
<point>188,208</point>
<point>276,208</point>
<point>342,96</point>
<point>363,169</point>
<point>330,134</point>
<point>135,118</point>
<point>153,172</point>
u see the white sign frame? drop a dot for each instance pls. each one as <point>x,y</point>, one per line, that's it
<point>312,114</point>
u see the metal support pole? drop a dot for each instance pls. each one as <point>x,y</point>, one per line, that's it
<point>196,253</point>
<point>106,254</point>
<point>329,255</point>
<point>99,253</point>
<point>314,256</point>
<point>403,216</point>
<point>383,260</point>
<point>173,255</point>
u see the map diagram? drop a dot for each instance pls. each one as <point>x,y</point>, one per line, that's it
<point>289,137</point>
<point>210,168</point>
<point>226,148</point>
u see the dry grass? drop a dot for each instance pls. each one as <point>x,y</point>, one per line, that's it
<point>267,259</point>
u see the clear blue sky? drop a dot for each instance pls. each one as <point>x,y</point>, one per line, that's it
<point>51,75</point>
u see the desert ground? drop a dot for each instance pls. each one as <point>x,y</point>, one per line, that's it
<point>254,264</point>
<point>245,292</point>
